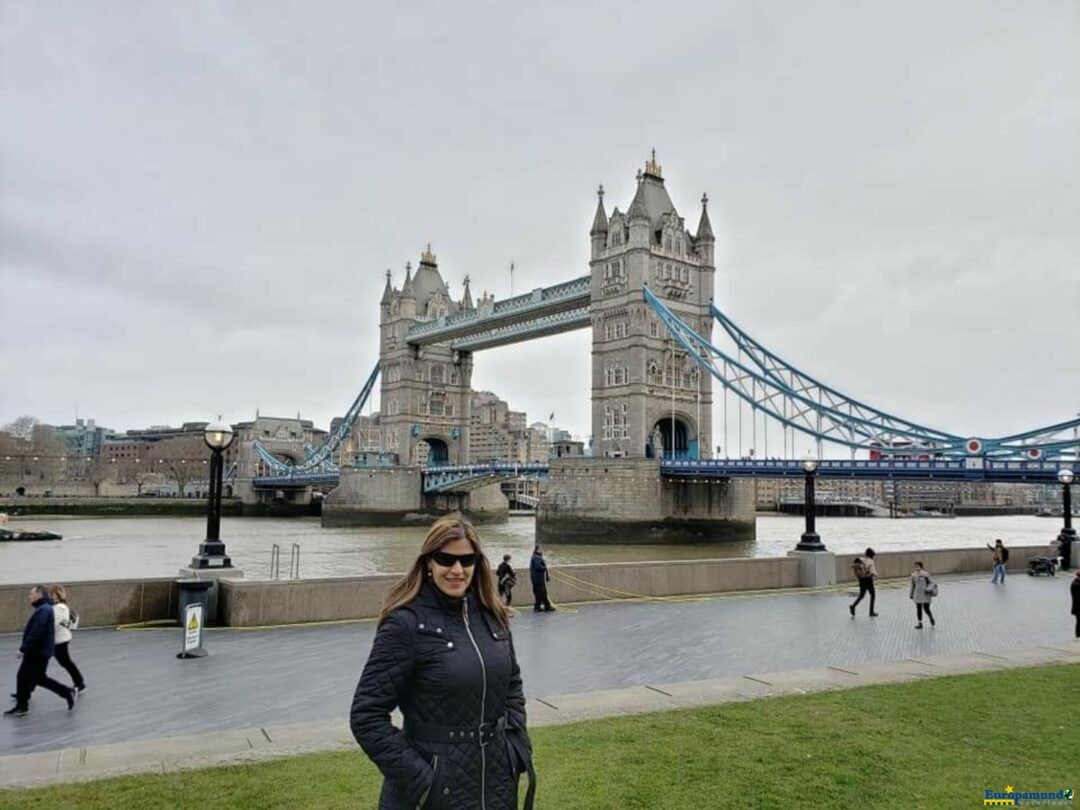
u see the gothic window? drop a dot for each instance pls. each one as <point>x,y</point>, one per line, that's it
<point>437,372</point>
<point>423,407</point>
<point>607,331</point>
<point>455,378</point>
<point>607,422</point>
<point>449,409</point>
<point>654,328</point>
<point>685,274</point>
<point>655,377</point>
<point>436,407</point>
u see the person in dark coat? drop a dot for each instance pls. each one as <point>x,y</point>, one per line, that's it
<point>506,578</point>
<point>37,647</point>
<point>444,656</point>
<point>1074,589</point>
<point>538,574</point>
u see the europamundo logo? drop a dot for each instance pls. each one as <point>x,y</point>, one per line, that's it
<point>1010,797</point>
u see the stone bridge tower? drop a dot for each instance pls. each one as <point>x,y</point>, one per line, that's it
<point>649,399</point>
<point>426,391</point>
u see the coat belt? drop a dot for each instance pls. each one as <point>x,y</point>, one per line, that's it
<point>477,735</point>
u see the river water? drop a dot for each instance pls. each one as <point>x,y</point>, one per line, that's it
<point>131,547</point>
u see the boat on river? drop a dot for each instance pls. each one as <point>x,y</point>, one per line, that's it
<point>20,535</point>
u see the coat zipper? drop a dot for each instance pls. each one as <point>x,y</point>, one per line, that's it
<point>483,707</point>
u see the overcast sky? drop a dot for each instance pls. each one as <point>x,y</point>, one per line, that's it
<point>200,200</point>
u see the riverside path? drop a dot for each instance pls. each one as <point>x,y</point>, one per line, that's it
<point>139,690</point>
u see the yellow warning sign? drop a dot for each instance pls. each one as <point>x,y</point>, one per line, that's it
<point>193,616</point>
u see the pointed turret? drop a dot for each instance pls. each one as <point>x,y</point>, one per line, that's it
<point>599,231</point>
<point>466,299</point>
<point>705,241</point>
<point>388,291</point>
<point>704,228</point>
<point>599,223</point>
<point>407,287</point>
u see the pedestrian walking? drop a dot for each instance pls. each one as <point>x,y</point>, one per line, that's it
<point>923,589</point>
<point>444,656</point>
<point>38,641</point>
<point>66,621</point>
<point>1074,590</point>
<point>865,572</point>
<point>1001,557</point>
<point>506,578</point>
<point>539,576</point>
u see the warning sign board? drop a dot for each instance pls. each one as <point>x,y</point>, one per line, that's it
<point>193,628</point>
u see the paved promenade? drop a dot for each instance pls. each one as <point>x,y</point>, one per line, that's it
<point>284,678</point>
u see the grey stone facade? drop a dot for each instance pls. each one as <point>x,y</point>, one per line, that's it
<point>640,377</point>
<point>425,391</point>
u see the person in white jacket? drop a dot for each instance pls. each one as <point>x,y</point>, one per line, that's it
<point>66,621</point>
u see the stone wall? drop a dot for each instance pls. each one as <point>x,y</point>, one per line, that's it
<point>895,564</point>
<point>607,500</point>
<point>249,603</point>
<point>383,496</point>
<point>99,604</point>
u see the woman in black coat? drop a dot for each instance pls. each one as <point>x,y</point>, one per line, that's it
<point>444,656</point>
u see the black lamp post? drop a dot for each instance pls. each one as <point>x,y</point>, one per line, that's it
<point>810,541</point>
<point>1068,533</point>
<point>218,437</point>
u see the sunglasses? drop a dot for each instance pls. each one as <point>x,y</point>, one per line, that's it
<point>448,560</point>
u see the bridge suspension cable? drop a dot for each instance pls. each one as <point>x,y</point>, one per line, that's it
<point>798,401</point>
<point>321,459</point>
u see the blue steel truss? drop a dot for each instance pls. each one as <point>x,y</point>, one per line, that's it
<point>532,306</point>
<point>542,326</point>
<point>955,469</point>
<point>320,460</point>
<point>797,400</point>
<point>462,478</point>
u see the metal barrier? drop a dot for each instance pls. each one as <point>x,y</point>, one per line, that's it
<point>275,561</point>
<point>294,562</point>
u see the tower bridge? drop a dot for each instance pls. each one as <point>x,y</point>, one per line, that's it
<point>648,300</point>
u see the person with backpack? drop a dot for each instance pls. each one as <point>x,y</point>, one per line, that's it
<point>506,578</point>
<point>1001,558</point>
<point>865,573</point>
<point>66,621</point>
<point>923,589</point>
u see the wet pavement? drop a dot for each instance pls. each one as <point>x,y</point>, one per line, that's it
<point>138,689</point>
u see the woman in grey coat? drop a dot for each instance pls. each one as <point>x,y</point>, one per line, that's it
<point>920,593</point>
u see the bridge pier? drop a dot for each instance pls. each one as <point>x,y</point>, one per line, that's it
<point>611,500</point>
<point>393,496</point>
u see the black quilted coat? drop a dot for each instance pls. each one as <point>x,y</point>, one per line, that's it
<point>451,669</point>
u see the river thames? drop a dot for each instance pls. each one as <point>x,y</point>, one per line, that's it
<point>131,547</point>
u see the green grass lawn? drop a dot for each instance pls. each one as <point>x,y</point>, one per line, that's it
<point>937,744</point>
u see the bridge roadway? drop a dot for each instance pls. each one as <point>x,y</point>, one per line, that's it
<point>139,690</point>
<point>446,478</point>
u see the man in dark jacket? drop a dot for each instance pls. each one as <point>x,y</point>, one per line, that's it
<point>36,649</point>
<point>538,573</point>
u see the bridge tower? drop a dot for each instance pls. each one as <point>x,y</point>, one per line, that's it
<point>425,399</point>
<point>649,399</point>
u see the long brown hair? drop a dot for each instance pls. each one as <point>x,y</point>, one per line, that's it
<point>445,530</point>
<point>58,593</point>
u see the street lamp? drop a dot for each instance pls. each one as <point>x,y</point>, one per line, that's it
<point>1068,533</point>
<point>218,437</point>
<point>810,541</point>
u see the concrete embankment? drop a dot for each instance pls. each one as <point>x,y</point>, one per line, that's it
<point>116,507</point>
<point>253,603</point>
